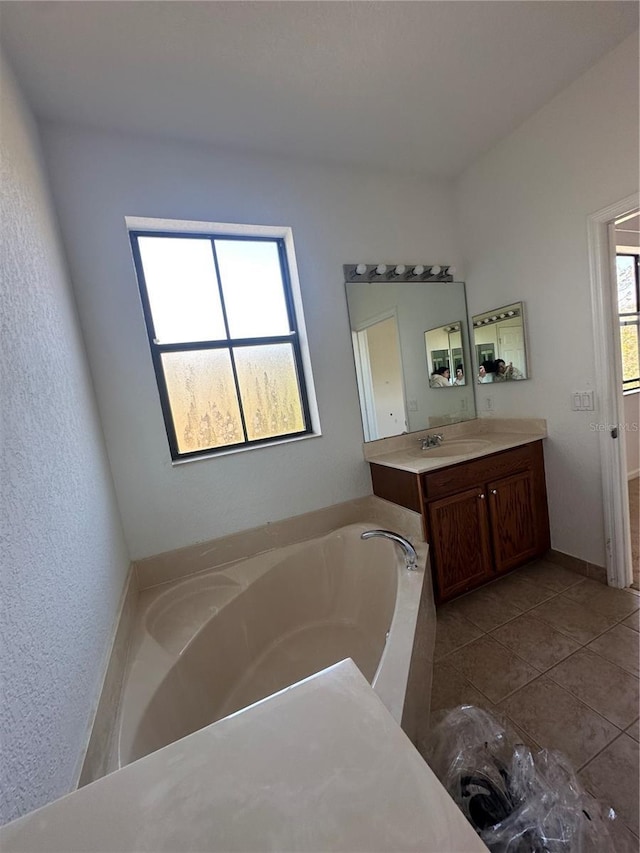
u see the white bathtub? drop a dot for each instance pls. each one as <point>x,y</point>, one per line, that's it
<point>216,642</point>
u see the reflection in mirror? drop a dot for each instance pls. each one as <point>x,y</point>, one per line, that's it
<point>388,321</point>
<point>499,343</point>
<point>445,356</point>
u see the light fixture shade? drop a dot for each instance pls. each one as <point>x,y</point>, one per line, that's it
<point>361,269</point>
<point>400,269</point>
<point>418,270</point>
<point>435,270</point>
<point>381,269</point>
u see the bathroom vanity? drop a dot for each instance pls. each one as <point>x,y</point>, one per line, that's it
<point>481,494</point>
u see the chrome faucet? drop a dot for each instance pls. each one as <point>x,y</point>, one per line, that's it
<point>428,441</point>
<point>410,556</point>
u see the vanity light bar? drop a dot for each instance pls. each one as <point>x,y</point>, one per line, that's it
<point>398,272</point>
<point>495,318</point>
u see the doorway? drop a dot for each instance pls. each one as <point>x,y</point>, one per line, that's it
<point>380,379</point>
<point>627,249</point>
<point>609,378</point>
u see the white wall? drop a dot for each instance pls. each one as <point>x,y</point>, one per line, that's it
<point>63,556</point>
<point>338,216</point>
<point>522,211</point>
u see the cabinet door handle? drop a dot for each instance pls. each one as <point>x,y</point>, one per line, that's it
<point>481,496</point>
<point>494,491</point>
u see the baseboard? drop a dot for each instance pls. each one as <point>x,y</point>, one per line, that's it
<point>96,756</point>
<point>575,564</point>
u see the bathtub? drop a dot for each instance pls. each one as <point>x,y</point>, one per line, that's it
<point>214,643</point>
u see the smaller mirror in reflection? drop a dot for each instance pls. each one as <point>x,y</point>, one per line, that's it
<point>444,356</point>
<point>499,342</point>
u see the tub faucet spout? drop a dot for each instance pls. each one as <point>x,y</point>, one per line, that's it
<point>410,556</point>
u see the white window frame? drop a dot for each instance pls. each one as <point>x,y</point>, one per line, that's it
<point>223,229</point>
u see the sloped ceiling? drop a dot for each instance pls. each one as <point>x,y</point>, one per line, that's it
<point>420,86</point>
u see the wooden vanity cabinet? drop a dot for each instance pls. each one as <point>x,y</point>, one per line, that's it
<point>481,518</point>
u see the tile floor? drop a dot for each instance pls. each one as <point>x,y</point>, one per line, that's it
<point>555,656</point>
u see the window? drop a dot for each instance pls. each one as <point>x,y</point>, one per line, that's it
<point>628,278</point>
<point>225,343</point>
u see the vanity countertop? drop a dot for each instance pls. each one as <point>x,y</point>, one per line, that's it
<point>461,442</point>
<point>321,765</point>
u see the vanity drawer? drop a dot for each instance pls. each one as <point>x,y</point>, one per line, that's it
<point>465,475</point>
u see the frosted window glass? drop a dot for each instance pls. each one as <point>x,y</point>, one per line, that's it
<point>269,390</point>
<point>203,401</point>
<point>183,292</point>
<point>252,288</point>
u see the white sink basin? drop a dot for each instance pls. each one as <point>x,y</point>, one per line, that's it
<point>452,447</point>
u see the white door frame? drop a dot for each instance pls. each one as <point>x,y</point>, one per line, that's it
<point>365,384</point>
<point>608,374</point>
<point>390,314</point>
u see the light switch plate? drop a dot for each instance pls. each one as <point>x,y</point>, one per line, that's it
<point>582,401</point>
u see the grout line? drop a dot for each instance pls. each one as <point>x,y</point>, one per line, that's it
<point>585,702</point>
<point>580,701</point>
<point>599,752</point>
<point>608,660</point>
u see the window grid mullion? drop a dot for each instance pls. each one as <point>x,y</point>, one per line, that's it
<point>185,346</point>
<point>234,370</point>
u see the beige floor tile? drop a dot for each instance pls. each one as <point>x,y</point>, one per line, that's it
<point>620,645</point>
<point>573,619</point>
<point>549,575</point>
<point>485,609</point>
<point>557,720</point>
<point>616,603</point>
<point>624,841</point>
<point>491,668</point>
<point>514,733</point>
<point>601,685</point>
<point>612,777</point>
<point>450,689</point>
<point>634,730</point>
<point>633,621</point>
<point>519,592</point>
<point>453,631</point>
<point>535,641</point>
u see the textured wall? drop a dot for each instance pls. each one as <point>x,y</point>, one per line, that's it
<point>523,224</point>
<point>338,215</point>
<point>63,558</point>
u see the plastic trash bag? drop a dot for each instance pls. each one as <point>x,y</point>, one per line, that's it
<point>517,802</point>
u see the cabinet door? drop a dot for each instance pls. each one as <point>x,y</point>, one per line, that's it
<point>513,520</point>
<point>459,537</point>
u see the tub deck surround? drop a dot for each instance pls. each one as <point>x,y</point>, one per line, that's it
<point>403,453</point>
<point>209,645</point>
<point>319,766</point>
<point>183,562</point>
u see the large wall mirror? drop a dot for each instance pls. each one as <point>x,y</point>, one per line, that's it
<point>500,344</point>
<point>391,324</point>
